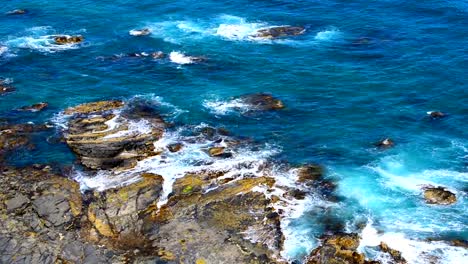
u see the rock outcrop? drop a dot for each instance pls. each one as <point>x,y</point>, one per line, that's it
<point>62,40</point>
<point>107,135</point>
<point>40,215</point>
<point>278,32</point>
<point>35,107</point>
<point>395,254</point>
<point>439,195</point>
<point>339,249</point>
<point>261,102</point>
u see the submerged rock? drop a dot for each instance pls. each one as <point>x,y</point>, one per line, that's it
<point>339,248</point>
<point>15,136</point>
<point>17,12</point>
<point>62,40</point>
<point>386,143</point>
<point>140,32</point>
<point>6,89</point>
<point>278,32</point>
<point>262,102</point>
<point>439,195</point>
<point>436,114</point>
<point>104,140</point>
<point>35,107</point>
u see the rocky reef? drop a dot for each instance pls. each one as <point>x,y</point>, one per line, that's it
<point>107,134</point>
<point>62,40</point>
<point>439,195</point>
<point>278,32</point>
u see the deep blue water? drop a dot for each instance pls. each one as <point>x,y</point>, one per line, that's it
<point>363,71</point>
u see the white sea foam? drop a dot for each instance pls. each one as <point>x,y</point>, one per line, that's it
<point>180,58</point>
<point>414,251</point>
<point>219,107</point>
<point>328,35</point>
<point>236,28</point>
<point>3,50</point>
<point>40,39</point>
<point>139,127</point>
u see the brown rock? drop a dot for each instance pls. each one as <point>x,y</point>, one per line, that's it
<point>340,248</point>
<point>395,254</point>
<point>439,195</point>
<point>35,107</point>
<point>175,147</point>
<point>94,107</point>
<point>309,174</point>
<point>62,40</point>
<point>6,89</point>
<point>262,102</point>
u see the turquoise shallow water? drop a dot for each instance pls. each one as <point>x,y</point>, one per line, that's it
<point>362,72</point>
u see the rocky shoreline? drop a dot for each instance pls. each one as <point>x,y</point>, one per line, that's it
<point>209,216</point>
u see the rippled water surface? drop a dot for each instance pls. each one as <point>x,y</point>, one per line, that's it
<point>363,71</point>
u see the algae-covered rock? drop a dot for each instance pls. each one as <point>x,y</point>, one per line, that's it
<point>278,32</point>
<point>107,135</point>
<point>35,107</point>
<point>61,40</point>
<point>94,107</point>
<point>114,213</point>
<point>439,195</point>
<point>262,102</point>
<point>338,249</point>
<point>39,219</point>
<point>395,254</point>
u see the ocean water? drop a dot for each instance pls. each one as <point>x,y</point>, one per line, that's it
<point>363,71</point>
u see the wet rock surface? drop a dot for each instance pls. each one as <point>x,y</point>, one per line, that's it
<point>439,195</point>
<point>339,248</point>
<point>107,135</point>
<point>262,102</point>
<point>35,107</point>
<point>40,214</point>
<point>16,136</point>
<point>279,32</point>
<point>62,40</point>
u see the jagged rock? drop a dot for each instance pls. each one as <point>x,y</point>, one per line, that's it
<point>175,147</point>
<point>29,237</point>
<point>339,249</point>
<point>439,195</point>
<point>262,102</point>
<point>224,225</point>
<point>35,107</point>
<point>104,140</point>
<point>309,173</point>
<point>114,213</point>
<point>395,254</point>
<point>62,40</point>
<point>17,202</point>
<point>279,32</point>
<point>14,136</point>
<point>98,107</point>
<point>218,152</point>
